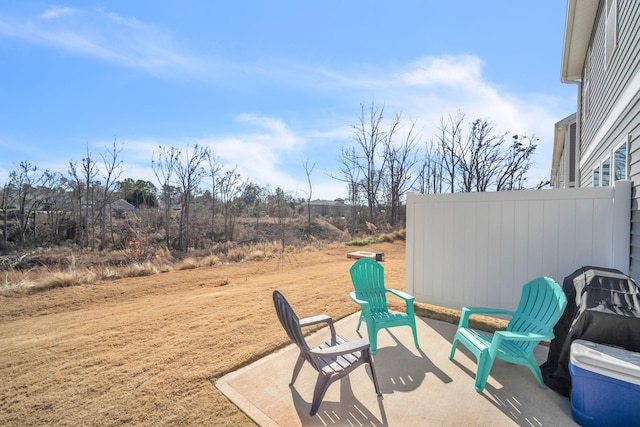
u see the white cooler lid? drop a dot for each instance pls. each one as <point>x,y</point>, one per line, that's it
<point>613,362</point>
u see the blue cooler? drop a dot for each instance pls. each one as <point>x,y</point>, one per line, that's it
<point>605,387</point>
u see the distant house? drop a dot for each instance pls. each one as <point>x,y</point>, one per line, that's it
<point>565,162</point>
<point>121,207</point>
<point>331,208</point>
<point>600,144</point>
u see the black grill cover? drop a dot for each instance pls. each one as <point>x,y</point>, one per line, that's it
<point>603,306</point>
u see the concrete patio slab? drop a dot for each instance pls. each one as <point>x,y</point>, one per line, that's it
<point>420,387</point>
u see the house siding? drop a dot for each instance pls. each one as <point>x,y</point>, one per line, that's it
<point>609,81</point>
<point>560,181</point>
<point>565,176</point>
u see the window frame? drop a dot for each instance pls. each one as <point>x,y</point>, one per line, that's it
<point>605,162</point>
<point>625,145</point>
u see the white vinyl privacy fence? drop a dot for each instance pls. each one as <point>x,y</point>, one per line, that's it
<point>478,249</point>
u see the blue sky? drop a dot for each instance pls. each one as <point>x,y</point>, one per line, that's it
<point>268,84</point>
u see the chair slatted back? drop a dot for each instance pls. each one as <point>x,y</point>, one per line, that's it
<point>367,276</point>
<point>289,320</point>
<point>541,305</point>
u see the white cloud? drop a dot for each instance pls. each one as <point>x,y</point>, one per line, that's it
<point>58,11</point>
<point>261,156</point>
<point>277,132</point>
<point>107,36</point>
<point>449,71</point>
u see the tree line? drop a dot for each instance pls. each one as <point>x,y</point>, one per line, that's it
<point>388,159</point>
<point>197,200</point>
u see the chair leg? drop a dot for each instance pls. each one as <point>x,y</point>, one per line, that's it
<point>359,322</point>
<point>322,384</point>
<point>415,334</point>
<point>454,344</point>
<point>485,362</point>
<point>369,360</point>
<point>372,332</point>
<point>532,364</point>
<point>296,369</point>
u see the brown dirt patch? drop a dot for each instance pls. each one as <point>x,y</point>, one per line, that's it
<point>146,351</point>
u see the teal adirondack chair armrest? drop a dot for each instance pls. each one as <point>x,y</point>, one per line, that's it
<point>408,299</point>
<point>403,295</point>
<point>364,305</point>
<point>522,336</point>
<point>500,336</point>
<point>468,311</point>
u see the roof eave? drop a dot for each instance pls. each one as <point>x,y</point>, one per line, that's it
<point>579,24</point>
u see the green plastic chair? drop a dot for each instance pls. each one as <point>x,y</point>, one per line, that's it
<point>540,308</point>
<point>370,294</point>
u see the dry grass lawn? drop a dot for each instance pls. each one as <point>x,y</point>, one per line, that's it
<point>148,350</point>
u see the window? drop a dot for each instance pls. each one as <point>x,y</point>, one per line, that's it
<point>596,177</point>
<point>606,172</point>
<point>620,162</point>
<point>611,29</point>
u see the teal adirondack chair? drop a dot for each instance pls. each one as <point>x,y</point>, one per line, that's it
<point>540,308</point>
<point>370,294</point>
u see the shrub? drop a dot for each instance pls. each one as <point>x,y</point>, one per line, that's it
<point>236,255</point>
<point>62,279</point>
<point>139,270</point>
<point>187,264</point>
<point>210,261</point>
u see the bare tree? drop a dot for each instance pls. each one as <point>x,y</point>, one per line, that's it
<point>6,203</point>
<point>164,167</point>
<point>482,163</point>
<point>26,181</point>
<point>77,188</point>
<point>189,174</point>
<point>517,163</point>
<point>214,167</point>
<point>112,172</point>
<point>350,174</point>
<point>400,161</point>
<point>308,169</point>
<point>481,158</point>
<point>230,186</point>
<point>449,137</point>
<point>89,172</point>
<point>54,204</point>
<point>429,179</point>
<point>369,137</point>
